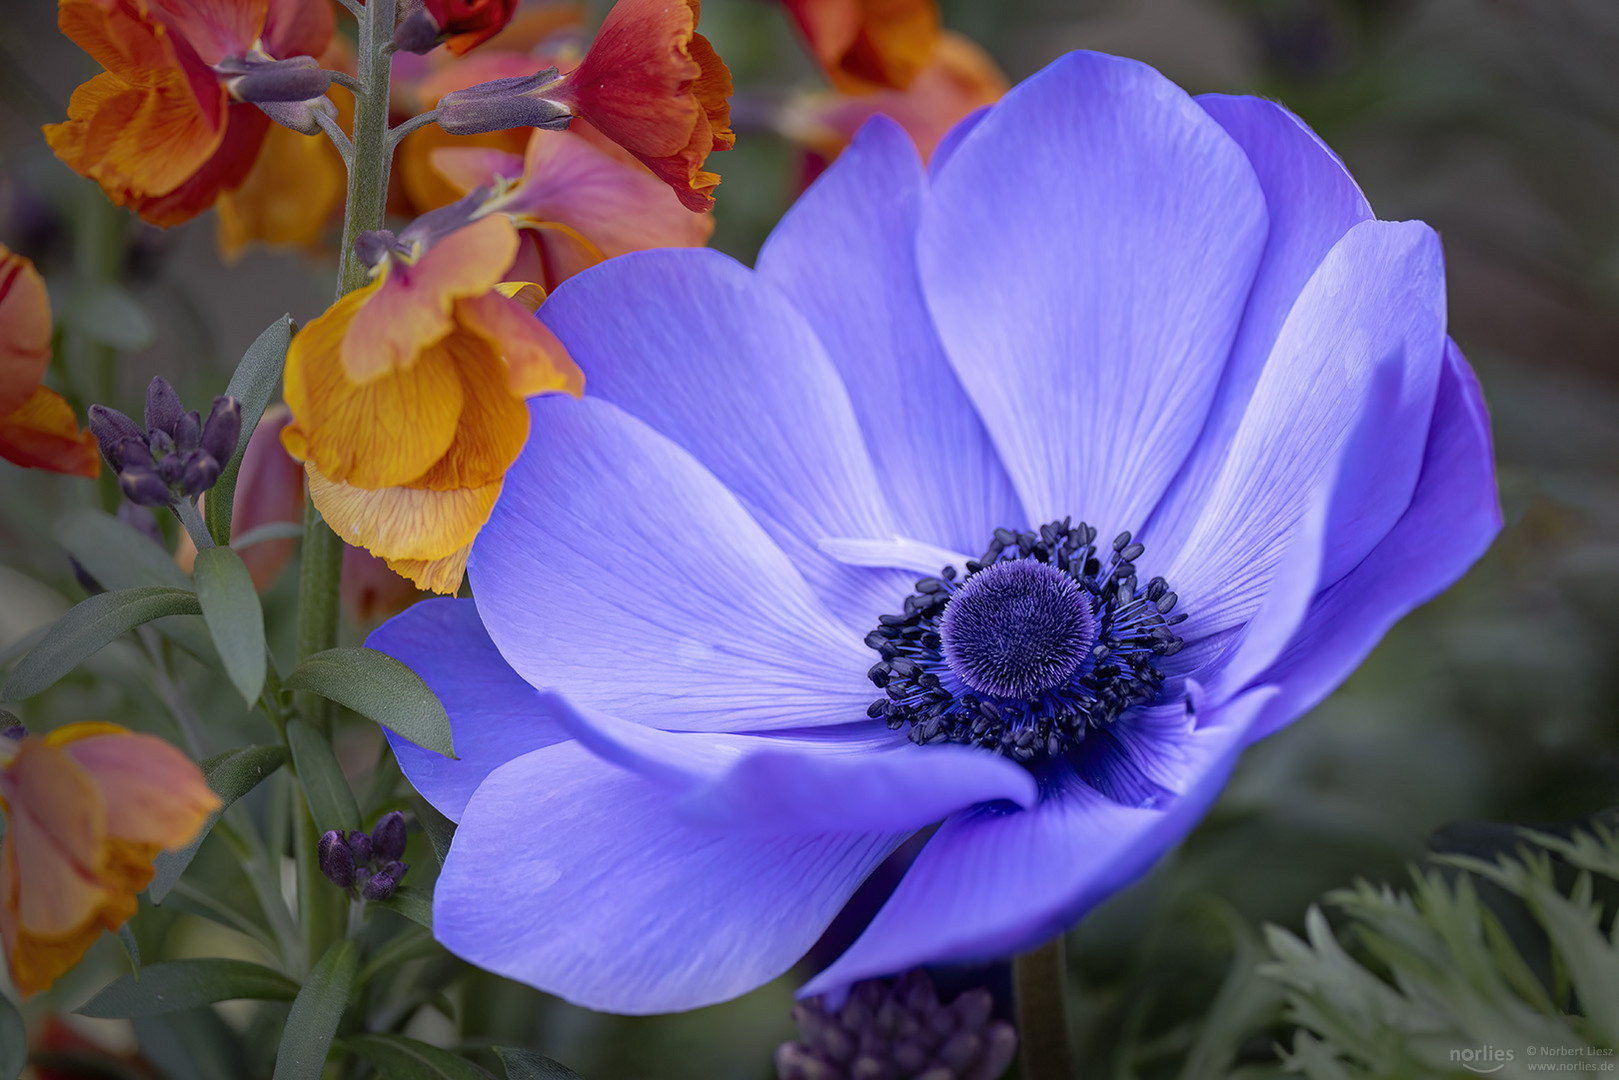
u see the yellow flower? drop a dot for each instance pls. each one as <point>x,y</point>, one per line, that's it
<point>407,400</point>
<point>88,808</point>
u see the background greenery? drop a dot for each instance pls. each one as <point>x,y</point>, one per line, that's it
<point>1495,120</point>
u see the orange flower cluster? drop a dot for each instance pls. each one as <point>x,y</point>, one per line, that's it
<point>88,808</point>
<point>38,429</point>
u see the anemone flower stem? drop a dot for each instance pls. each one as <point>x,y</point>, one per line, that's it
<point>1040,983</point>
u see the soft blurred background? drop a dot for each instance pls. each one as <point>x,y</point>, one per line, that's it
<point>1495,120</point>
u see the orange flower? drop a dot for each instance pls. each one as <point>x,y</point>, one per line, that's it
<point>407,398</point>
<point>89,806</point>
<point>656,87</point>
<point>158,130</point>
<point>579,200</point>
<point>959,78</point>
<point>38,429</point>
<point>866,45</point>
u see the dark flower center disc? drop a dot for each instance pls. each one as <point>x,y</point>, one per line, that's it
<point>1017,628</point>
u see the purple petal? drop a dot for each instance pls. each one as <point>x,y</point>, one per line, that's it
<point>866,779</point>
<point>1453,517</point>
<point>952,139</point>
<point>494,715</point>
<point>719,361</point>
<point>1313,202</point>
<point>577,878</point>
<point>1379,295</point>
<point>845,255</point>
<point>619,571</point>
<point>1086,255</point>
<point>992,881</point>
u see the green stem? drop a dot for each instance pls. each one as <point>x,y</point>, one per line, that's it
<point>1040,982</point>
<point>191,518</point>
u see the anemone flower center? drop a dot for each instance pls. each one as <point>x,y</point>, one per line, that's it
<point>1017,628</point>
<point>1038,643</point>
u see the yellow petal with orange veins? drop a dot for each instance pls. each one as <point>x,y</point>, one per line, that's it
<point>536,361</point>
<point>154,794</point>
<point>387,431</point>
<point>287,199</point>
<point>56,834</point>
<point>412,307</point>
<point>440,575</point>
<point>401,522</point>
<point>494,421</point>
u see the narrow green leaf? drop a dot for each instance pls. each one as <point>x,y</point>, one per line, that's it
<point>253,383</point>
<point>378,687</point>
<point>172,985</point>
<point>315,1014</point>
<point>331,802</point>
<point>413,904</point>
<point>530,1065</point>
<point>230,606</point>
<point>232,775</point>
<point>440,830</point>
<point>132,947</point>
<point>115,553</point>
<point>270,530</point>
<point>89,626</point>
<point>13,1041</point>
<point>399,1058</point>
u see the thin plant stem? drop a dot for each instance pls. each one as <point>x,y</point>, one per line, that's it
<point>345,148</point>
<point>196,527</point>
<point>354,8</point>
<point>405,127</point>
<point>344,79</point>
<point>1040,983</point>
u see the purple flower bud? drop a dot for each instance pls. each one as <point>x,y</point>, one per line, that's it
<point>336,860</point>
<point>374,245</point>
<point>201,470</point>
<point>379,887</point>
<point>113,430</point>
<point>163,408</point>
<point>434,225</point>
<point>14,732</point>
<point>417,33</point>
<point>171,467</point>
<point>188,431</point>
<point>297,79</point>
<point>388,835</point>
<point>501,104</point>
<point>142,484</point>
<point>160,443</point>
<point>361,843</point>
<point>298,115</point>
<point>223,429</point>
<point>140,518</point>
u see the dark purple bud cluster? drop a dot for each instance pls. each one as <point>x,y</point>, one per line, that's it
<point>369,863</point>
<point>899,1030</point>
<point>177,455</point>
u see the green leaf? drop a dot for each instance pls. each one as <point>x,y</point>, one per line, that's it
<point>529,1065</point>
<point>13,1041</point>
<point>378,687</point>
<point>440,830</point>
<point>413,904</point>
<point>132,947</point>
<point>89,626</point>
<point>270,530</point>
<point>115,553</point>
<point>315,1014</point>
<point>232,775</point>
<point>399,1058</point>
<point>171,985</point>
<point>252,384</point>
<point>106,313</point>
<point>230,606</point>
<point>331,802</point>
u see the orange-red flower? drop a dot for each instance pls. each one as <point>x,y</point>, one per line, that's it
<point>656,87</point>
<point>407,398</point>
<point>866,45</point>
<point>959,78</point>
<point>88,808</point>
<point>38,429</point>
<point>158,130</point>
<point>579,200</point>
<point>469,23</point>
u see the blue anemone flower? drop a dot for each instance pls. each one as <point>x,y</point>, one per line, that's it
<point>1015,495</point>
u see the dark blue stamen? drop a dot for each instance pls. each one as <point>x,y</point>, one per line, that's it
<point>1029,650</point>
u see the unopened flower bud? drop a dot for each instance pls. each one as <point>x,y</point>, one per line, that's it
<point>254,80</point>
<point>299,115</point>
<point>434,225</point>
<point>336,859</point>
<point>417,33</point>
<point>361,844</point>
<point>201,470</point>
<point>374,245</point>
<point>222,430</point>
<point>378,887</point>
<point>503,103</point>
<point>171,467</point>
<point>118,436</point>
<point>163,408</point>
<point>388,836</point>
<point>141,484</point>
<point>188,431</point>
